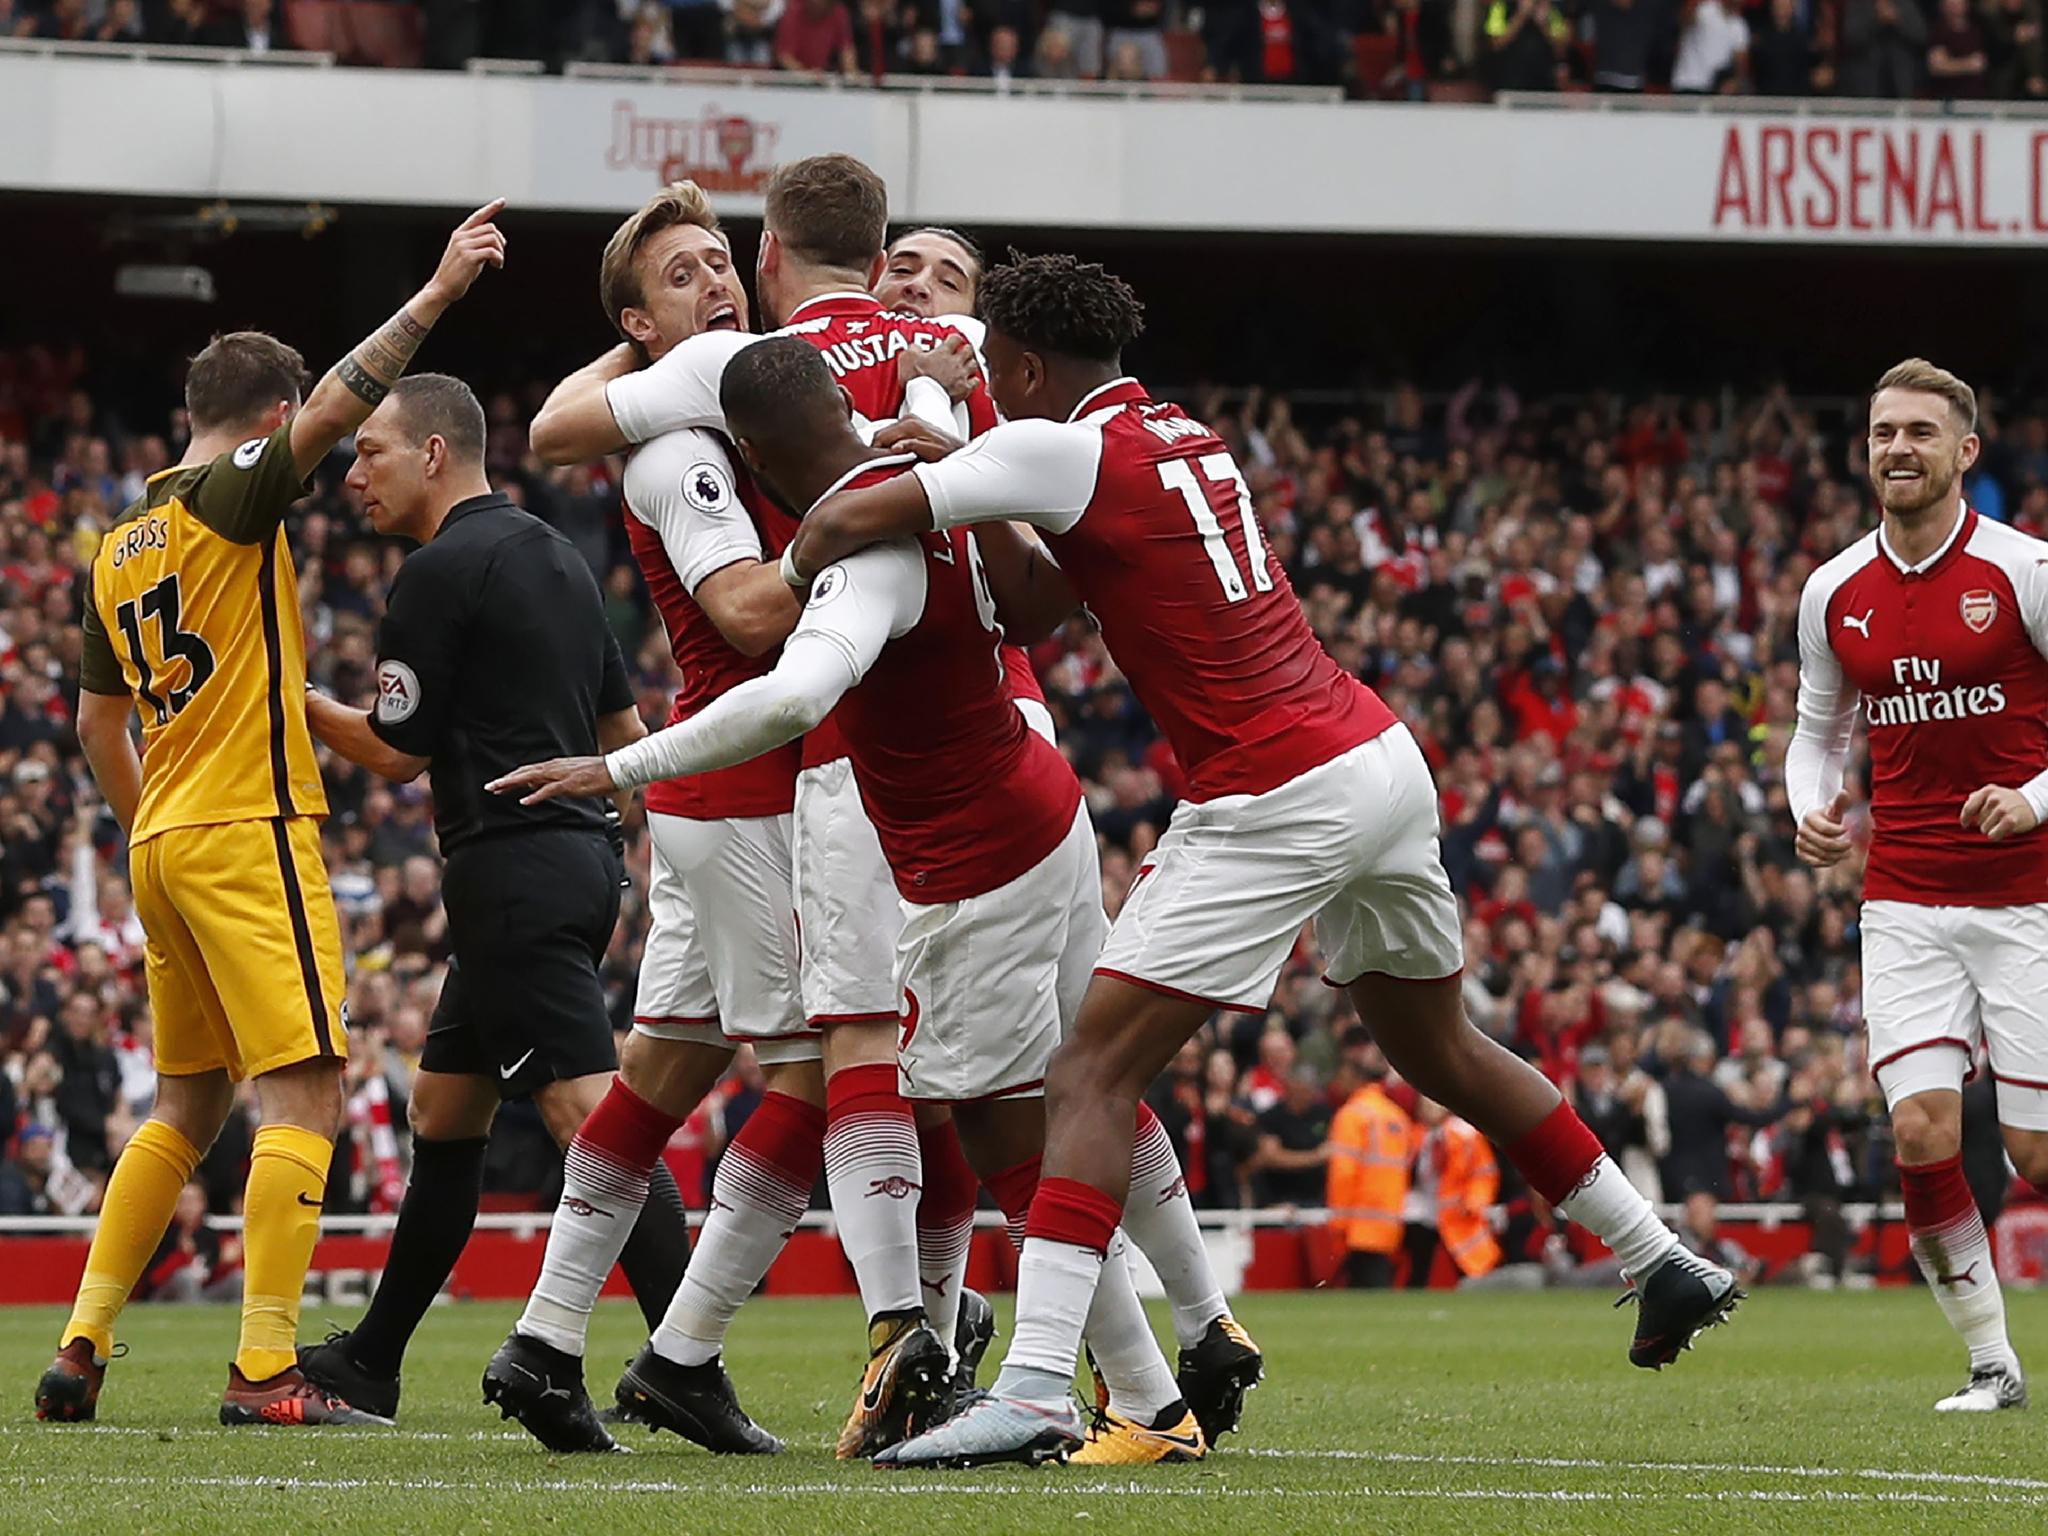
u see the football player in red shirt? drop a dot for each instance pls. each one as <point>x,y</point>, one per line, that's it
<point>1936,623</point>
<point>1307,800</point>
<point>824,226</point>
<point>982,821</point>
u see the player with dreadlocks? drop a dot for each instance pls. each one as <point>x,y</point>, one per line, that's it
<point>1307,798</point>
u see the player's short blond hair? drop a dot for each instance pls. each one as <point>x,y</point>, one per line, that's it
<point>1922,377</point>
<point>618,274</point>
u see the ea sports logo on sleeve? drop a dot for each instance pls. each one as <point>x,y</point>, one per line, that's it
<point>398,692</point>
<point>1979,610</point>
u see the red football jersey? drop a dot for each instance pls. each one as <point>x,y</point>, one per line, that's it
<point>690,511</point>
<point>965,797</point>
<point>861,342</point>
<point>1948,660</point>
<point>1153,524</point>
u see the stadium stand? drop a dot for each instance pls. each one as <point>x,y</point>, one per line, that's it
<point>1585,607</point>
<point>1417,50</point>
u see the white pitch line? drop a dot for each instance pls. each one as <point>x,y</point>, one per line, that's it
<point>1387,1458</point>
<point>1583,1464</point>
<point>887,1490</point>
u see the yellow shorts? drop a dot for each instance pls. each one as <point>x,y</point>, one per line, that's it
<point>244,954</point>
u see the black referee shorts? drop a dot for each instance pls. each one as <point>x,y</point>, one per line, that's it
<point>530,915</point>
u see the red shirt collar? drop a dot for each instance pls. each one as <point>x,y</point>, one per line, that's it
<point>1104,397</point>
<point>1958,537</point>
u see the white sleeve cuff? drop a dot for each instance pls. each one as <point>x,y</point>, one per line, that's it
<point>621,765</point>
<point>2036,792</point>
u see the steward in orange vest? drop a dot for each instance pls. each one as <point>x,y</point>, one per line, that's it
<point>1370,1147</point>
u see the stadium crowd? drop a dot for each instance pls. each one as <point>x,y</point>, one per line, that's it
<point>1584,607</point>
<point>1398,49</point>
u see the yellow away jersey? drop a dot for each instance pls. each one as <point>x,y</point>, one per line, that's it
<point>195,613</point>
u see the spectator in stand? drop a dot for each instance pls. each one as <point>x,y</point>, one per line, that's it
<point>1606,1114</point>
<point>696,29</point>
<point>1884,48</point>
<point>815,37</point>
<point>877,38</point>
<point>1272,42</point>
<point>1625,38</point>
<point>1267,1083</point>
<point>1527,39</point>
<point>1054,58</point>
<point>1813,1147</point>
<point>1958,59</point>
<point>1140,25</point>
<point>1231,1133</point>
<point>1701,1112</point>
<point>2013,45</point>
<point>250,26</point>
<point>193,1262</point>
<point>647,40</point>
<point>122,23</point>
<point>943,25</point>
<point>1005,60</point>
<point>1782,56</point>
<point>1126,63</point>
<point>750,39</point>
<point>1078,24</point>
<point>1713,50</point>
<point>63,21</point>
<point>1293,1152</point>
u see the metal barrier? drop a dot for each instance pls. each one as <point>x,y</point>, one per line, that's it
<point>145,53</point>
<point>1767,1214</point>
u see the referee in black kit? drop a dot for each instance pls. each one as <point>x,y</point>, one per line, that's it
<point>493,652</point>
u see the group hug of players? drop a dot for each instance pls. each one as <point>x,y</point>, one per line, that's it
<point>871,864</point>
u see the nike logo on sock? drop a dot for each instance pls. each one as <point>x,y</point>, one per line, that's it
<point>315,1204</point>
<point>505,1073</point>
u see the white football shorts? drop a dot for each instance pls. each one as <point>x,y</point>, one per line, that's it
<point>1938,981</point>
<point>848,913</point>
<point>1216,908</point>
<point>992,982</point>
<point>720,964</point>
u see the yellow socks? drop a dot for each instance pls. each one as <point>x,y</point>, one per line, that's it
<point>280,1222</point>
<point>142,1194</point>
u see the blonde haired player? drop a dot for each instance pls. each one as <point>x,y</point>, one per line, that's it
<point>1937,624</point>
<point>193,620</point>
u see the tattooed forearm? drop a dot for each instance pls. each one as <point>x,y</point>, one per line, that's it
<point>388,352</point>
<point>359,382</point>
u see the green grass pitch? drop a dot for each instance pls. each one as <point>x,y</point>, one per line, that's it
<point>1387,1413</point>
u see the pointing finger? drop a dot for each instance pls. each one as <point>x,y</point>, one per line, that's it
<point>484,214</point>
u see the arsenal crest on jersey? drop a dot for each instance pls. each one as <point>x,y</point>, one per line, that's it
<point>1979,608</point>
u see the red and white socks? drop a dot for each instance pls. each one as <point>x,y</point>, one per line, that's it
<point>758,1195</point>
<point>1954,1253</point>
<point>1067,1237</point>
<point>874,1174</point>
<point>945,1225</point>
<point>1565,1164</point>
<point>604,1185</point>
<point>1159,1218</point>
